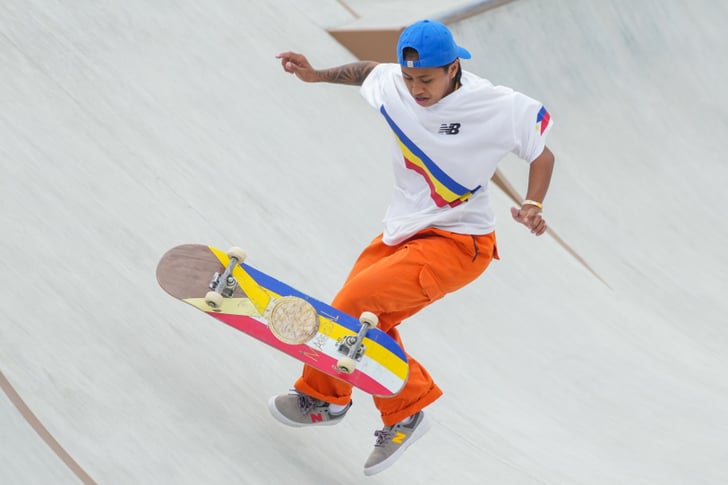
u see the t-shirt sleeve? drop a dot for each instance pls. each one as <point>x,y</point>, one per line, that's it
<point>531,123</point>
<point>372,89</point>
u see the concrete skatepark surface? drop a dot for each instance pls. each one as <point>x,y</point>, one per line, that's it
<point>127,128</point>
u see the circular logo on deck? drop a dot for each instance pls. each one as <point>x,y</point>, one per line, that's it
<point>293,320</point>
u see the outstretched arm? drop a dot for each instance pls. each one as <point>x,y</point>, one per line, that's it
<point>539,178</point>
<point>353,74</point>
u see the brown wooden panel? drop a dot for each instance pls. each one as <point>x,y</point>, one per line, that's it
<point>370,44</point>
<point>185,271</point>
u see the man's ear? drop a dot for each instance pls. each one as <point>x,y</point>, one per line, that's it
<point>454,68</point>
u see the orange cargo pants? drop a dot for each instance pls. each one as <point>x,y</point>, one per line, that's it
<point>395,282</point>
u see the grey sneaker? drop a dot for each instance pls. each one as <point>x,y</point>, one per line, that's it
<point>392,441</point>
<point>298,409</point>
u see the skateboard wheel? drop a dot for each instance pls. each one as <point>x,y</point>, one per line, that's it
<point>213,300</point>
<point>293,320</point>
<point>370,318</point>
<point>237,253</point>
<point>346,365</point>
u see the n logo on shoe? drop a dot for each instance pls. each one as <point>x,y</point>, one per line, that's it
<point>399,438</point>
<point>317,418</point>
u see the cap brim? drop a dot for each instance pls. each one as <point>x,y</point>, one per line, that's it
<point>463,53</point>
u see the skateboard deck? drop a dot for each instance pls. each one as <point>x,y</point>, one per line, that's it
<point>284,318</point>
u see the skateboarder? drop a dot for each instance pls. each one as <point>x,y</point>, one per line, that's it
<point>451,128</point>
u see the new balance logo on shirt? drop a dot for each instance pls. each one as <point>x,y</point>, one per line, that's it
<point>449,129</point>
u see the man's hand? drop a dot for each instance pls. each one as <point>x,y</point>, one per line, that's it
<point>530,216</point>
<point>539,177</point>
<point>352,74</point>
<point>297,64</point>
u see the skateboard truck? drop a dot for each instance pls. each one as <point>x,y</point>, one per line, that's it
<point>228,288</point>
<point>224,285</point>
<point>353,346</point>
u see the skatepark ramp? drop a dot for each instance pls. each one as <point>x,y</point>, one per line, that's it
<point>127,128</point>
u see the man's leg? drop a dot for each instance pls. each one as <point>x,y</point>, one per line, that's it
<point>315,391</point>
<point>432,264</point>
<point>395,282</point>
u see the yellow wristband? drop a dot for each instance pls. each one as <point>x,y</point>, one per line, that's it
<point>532,202</point>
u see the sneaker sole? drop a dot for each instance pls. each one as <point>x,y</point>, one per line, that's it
<point>420,431</point>
<point>295,424</point>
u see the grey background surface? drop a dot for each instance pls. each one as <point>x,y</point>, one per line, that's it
<point>129,127</point>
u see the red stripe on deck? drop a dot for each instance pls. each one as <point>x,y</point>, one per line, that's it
<point>302,352</point>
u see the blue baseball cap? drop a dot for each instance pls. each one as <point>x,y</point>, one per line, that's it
<point>433,42</point>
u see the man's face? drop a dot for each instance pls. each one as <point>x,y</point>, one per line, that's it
<point>428,85</point>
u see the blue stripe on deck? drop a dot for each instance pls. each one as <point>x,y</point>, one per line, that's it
<point>322,308</point>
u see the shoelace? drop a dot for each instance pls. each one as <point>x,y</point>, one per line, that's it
<point>383,436</point>
<point>305,403</point>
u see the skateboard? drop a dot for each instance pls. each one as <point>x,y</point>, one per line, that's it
<point>220,284</point>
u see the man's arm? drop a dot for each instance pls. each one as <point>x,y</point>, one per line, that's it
<point>352,74</point>
<point>539,178</point>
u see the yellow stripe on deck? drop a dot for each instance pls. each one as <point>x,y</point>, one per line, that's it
<point>374,350</point>
<point>255,292</point>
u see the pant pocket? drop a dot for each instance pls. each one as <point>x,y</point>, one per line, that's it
<point>430,287</point>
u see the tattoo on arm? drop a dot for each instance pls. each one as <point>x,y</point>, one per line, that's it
<point>353,74</point>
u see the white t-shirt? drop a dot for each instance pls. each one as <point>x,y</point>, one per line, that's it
<point>445,155</point>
